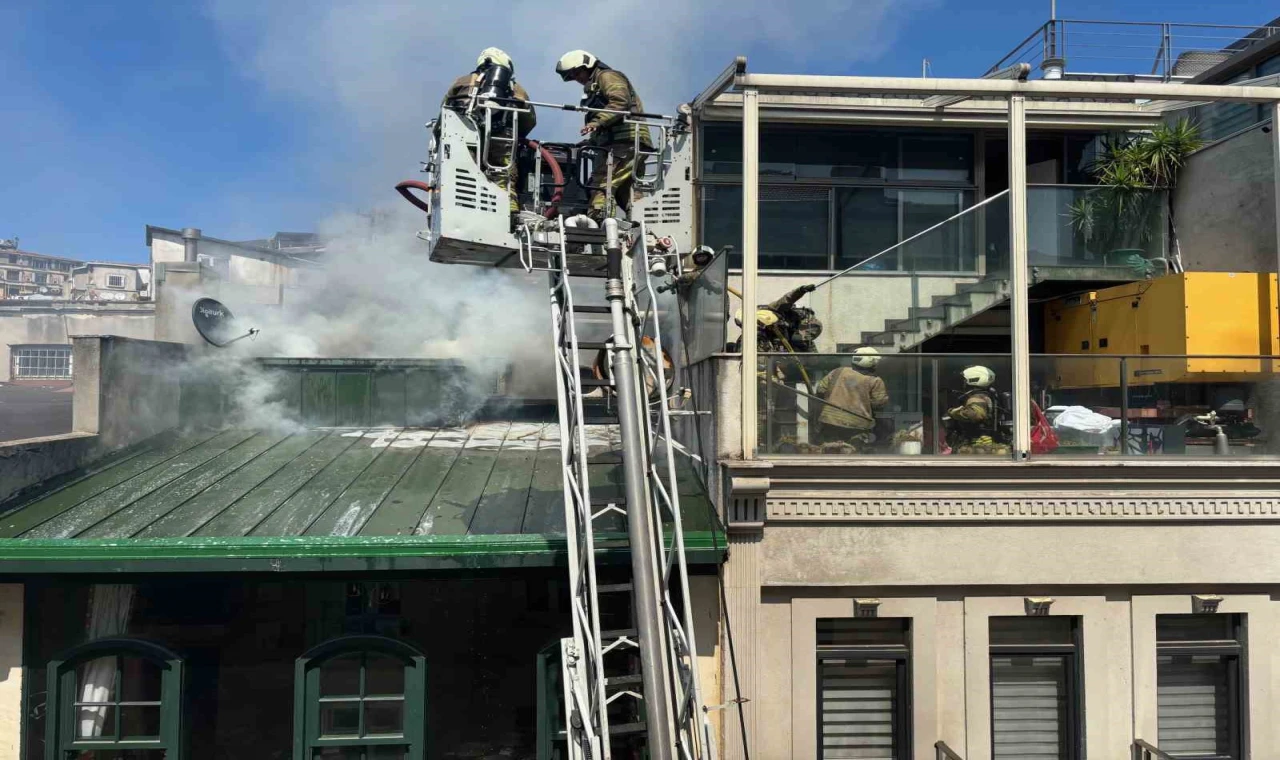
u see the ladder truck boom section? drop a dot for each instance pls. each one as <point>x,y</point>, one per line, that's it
<point>628,676</point>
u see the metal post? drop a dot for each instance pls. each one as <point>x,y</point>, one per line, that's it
<point>936,407</point>
<point>1275,175</point>
<point>1124,406</point>
<point>190,243</point>
<point>750,264</point>
<point>1018,277</point>
<point>648,605</point>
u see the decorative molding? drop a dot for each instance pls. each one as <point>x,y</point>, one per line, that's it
<point>848,508</point>
<point>747,502</point>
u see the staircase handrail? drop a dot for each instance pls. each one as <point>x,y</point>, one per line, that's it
<point>1145,751</point>
<point>945,752</point>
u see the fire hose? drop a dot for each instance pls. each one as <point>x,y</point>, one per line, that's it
<point>406,187</point>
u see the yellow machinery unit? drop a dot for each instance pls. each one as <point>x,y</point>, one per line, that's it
<point>1193,313</point>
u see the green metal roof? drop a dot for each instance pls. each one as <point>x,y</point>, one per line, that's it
<point>480,496</point>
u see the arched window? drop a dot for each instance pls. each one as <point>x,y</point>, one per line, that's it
<point>360,698</point>
<point>115,699</point>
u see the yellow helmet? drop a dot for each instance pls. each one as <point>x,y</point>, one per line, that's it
<point>573,60</point>
<point>764,318</point>
<point>495,55</point>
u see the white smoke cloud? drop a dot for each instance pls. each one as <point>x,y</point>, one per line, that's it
<point>373,71</point>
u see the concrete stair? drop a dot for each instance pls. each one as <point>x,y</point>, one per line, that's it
<point>924,322</point>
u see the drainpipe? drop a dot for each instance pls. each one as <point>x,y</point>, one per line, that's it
<point>190,242</point>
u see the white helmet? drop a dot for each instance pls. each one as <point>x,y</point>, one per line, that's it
<point>495,55</point>
<point>866,357</point>
<point>979,377</point>
<point>573,60</point>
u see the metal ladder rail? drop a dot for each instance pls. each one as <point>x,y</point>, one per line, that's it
<point>586,692</point>
<point>691,714</point>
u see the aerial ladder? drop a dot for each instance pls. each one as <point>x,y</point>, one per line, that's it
<point>627,690</point>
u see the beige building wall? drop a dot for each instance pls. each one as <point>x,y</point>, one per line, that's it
<point>11,624</point>
<point>950,673</point>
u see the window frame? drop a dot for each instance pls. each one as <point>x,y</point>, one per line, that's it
<point>45,360</point>
<point>1074,668</point>
<point>1233,651</point>
<point>901,656</point>
<point>306,729</point>
<point>60,737</point>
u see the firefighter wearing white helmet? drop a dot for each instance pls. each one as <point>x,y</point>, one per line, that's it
<point>973,425</point>
<point>611,91</point>
<point>853,395</point>
<point>460,97</point>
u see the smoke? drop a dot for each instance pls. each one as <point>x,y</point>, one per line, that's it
<point>367,74</point>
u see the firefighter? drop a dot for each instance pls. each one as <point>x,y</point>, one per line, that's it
<point>855,394</point>
<point>607,88</point>
<point>461,98</point>
<point>973,427</point>
<point>784,328</point>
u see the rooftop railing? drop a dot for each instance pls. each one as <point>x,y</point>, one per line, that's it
<point>1102,50</point>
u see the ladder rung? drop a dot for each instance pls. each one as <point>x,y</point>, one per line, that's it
<point>631,680</point>
<point>613,588</point>
<point>591,310</point>
<point>591,345</point>
<point>584,235</point>
<point>600,420</point>
<point>595,383</point>
<point>630,633</point>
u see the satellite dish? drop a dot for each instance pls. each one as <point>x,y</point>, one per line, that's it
<point>216,323</point>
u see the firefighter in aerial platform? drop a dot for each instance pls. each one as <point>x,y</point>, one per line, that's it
<point>494,75</point>
<point>607,88</point>
<point>973,427</point>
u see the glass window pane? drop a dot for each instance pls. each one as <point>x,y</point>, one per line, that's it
<point>1173,628</point>
<point>340,718</point>
<point>847,154</point>
<point>96,680</point>
<point>722,219</point>
<point>387,752</point>
<point>868,224</point>
<point>383,675</point>
<point>1269,66</point>
<point>138,722</point>
<point>949,248</point>
<point>937,158</point>
<point>794,225</point>
<point>722,149</point>
<point>1051,629</point>
<point>859,702</point>
<point>1194,705</point>
<point>1029,706</point>
<point>340,676</point>
<point>96,722</point>
<point>383,717</point>
<point>141,680</point>
<point>848,632</point>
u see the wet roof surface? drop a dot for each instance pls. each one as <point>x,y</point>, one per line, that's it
<point>496,479</point>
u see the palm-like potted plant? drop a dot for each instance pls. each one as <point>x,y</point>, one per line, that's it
<point>1123,214</point>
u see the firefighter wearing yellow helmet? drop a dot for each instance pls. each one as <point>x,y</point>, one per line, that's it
<point>973,427</point>
<point>608,89</point>
<point>460,97</point>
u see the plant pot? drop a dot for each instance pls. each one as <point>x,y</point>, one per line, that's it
<point>910,448</point>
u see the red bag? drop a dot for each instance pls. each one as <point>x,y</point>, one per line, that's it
<point>1044,440</point>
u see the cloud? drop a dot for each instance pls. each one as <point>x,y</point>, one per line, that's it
<point>373,71</point>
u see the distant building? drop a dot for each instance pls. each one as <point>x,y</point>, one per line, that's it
<point>110,281</point>
<point>33,276</point>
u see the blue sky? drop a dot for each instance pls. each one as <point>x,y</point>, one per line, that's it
<point>244,117</point>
